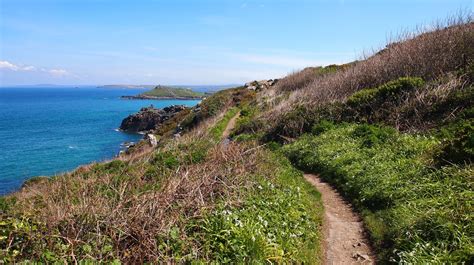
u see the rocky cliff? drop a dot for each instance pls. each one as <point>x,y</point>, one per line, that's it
<point>149,118</point>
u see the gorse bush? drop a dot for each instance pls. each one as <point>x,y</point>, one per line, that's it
<point>414,213</point>
<point>389,91</point>
<point>458,143</point>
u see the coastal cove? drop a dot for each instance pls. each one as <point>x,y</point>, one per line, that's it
<point>50,130</point>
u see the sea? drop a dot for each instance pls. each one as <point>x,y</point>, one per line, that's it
<point>45,131</point>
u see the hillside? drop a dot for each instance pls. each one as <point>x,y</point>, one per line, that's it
<point>166,92</point>
<point>393,133</point>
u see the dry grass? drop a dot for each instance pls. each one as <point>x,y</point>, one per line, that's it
<point>447,47</point>
<point>127,216</point>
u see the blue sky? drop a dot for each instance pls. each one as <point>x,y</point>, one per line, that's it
<point>97,42</point>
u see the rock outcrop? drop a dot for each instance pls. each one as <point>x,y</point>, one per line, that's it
<point>261,85</point>
<point>149,118</point>
<point>151,139</point>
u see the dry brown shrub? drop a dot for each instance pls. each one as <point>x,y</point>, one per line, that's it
<point>446,47</point>
<point>77,207</point>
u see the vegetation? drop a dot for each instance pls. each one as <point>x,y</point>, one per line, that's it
<point>172,92</point>
<point>218,129</point>
<point>191,199</point>
<point>392,132</point>
<point>414,213</point>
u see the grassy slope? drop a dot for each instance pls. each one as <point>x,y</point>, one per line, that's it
<point>164,91</point>
<point>190,199</point>
<point>411,180</point>
<point>414,213</point>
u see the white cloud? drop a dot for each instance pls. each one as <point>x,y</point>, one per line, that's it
<point>6,65</point>
<point>14,67</point>
<point>58,72</point>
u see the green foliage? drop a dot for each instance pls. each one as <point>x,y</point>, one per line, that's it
<point>114,166</point>
<point>216,103</point>
<point>247,123</point>
<point>6,203</point>
<point>458,143</point>
<point>374,104</point>
<point>165,159</point>
<point>35,180</point>
<point>414,213</point>
<point>218,129</point>
<point>245,137</point>
<point>321,127</point>
<point>278,222</point>
<point>301,120</point>
<point>390,90</point>
<point>372,135</point>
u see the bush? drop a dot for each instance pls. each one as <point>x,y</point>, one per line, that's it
<point>372,135</point>
<point>458,144</point>
<point>366,102</point>
<point>165,159</point>
<point>301,120</point>
<point>322,126</point>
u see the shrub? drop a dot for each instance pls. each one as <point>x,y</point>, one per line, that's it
<point>367,101</point>
<point>301,120</point>
<point>321,127</point>
<point>428,55</point>
<point>6,203</point>
<point>372,135</point>
<point>165,159</point>
<point>458,144</point>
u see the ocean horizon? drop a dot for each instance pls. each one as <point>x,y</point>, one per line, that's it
<point>46,131</point>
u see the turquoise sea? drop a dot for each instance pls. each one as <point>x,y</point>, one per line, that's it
<point>49,130</point>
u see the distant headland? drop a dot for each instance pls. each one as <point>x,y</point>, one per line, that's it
<point>167,92</point>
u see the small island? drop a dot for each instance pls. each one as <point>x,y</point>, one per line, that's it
<point>167,92</point>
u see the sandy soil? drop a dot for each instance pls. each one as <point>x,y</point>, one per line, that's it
<point>344,239</point>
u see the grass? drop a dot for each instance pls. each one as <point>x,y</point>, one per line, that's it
<point>279,221</point>
<point>427,54</point>
<point>415,213</point>
<point>219,128</point>
<point>192,199</point>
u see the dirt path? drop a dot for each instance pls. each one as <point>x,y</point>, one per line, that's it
<point>230,126</point>
<point>344,240</point>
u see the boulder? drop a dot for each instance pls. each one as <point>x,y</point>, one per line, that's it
<point>151,139</point>
<point>261,85</point>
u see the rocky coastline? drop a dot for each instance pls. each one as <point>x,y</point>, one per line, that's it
<point>149,118</point>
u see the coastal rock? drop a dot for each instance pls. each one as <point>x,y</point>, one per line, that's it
<point>151,139</point>
<point>149,118</point>
<point>261,85</point>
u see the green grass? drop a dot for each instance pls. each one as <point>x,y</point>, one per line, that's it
<point>277,220</point>
<point>165,91</point>
<point>218,129</point>
<point>415,213</point>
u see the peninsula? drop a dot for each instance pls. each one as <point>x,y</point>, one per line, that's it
<point>167,92</point>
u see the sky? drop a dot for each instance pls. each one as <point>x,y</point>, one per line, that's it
<point>97,42</point>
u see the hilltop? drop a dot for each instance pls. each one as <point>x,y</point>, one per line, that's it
<point>392,132</point>
<point>166,92</point>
